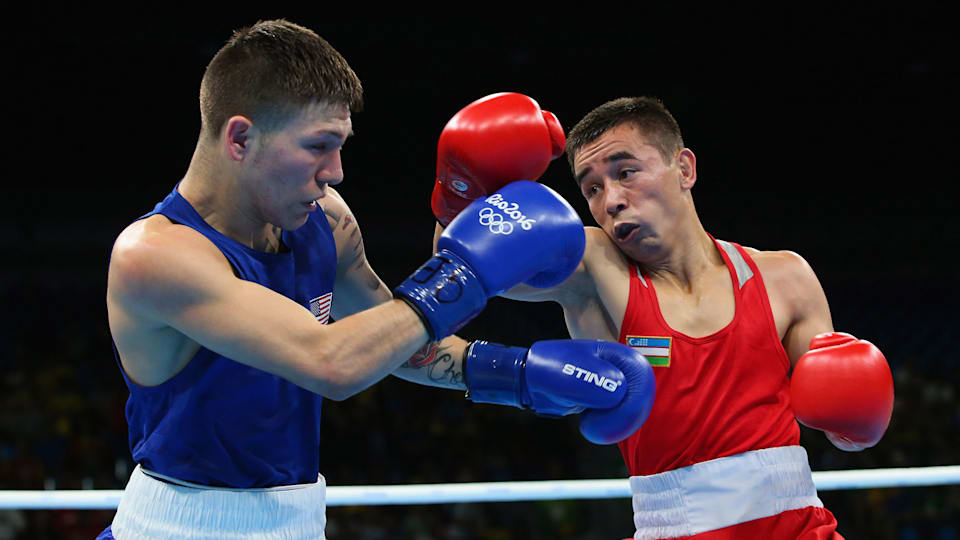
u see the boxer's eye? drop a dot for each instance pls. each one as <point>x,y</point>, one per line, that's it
<point>326,144</point>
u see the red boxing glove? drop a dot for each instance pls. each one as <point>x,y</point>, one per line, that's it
<point>844,387</point>
<point>491,142</point>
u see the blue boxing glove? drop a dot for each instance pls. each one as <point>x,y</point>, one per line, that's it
<point>525,232</point>
<point>609,384</point>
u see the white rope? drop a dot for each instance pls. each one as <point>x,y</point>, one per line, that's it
<point>493,491</point>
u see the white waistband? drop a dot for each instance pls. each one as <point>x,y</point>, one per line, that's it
<point>722,492</point>
<point>151,508</point>
<point>184,483</point>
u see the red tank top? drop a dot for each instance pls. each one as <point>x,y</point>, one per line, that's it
<point>717,395</point>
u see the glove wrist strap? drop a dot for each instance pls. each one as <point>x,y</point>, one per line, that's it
<point>445,293</point>
<point>495,374</point>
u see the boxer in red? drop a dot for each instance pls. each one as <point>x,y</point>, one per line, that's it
<point>741,342</point>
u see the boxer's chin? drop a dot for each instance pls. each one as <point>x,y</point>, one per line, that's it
<point>642,247</point>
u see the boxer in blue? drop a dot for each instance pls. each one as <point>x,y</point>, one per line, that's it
<point>235,306</point>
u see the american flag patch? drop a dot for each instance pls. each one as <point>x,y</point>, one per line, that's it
<point>655,349</point>
<point>320,307</point>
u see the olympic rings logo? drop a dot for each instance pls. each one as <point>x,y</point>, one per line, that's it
<point>510,209</point>
<point>495,222</point>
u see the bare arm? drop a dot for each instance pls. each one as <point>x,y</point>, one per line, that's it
<point>568,293</point>
<point>842,386</point>
<point>796,292</point>
<point>169,278</point>
<point>359,288</point>
<point>437,364</point>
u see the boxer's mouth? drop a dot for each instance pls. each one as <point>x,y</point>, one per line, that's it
<point>624,230</point>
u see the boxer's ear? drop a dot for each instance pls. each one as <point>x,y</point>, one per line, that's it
<point>687,163</point>
<point>236,137</point>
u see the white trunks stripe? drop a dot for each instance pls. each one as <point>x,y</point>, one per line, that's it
<point>153,509</point>
<point>722,492</point>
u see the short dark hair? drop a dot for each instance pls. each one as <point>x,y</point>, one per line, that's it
<point>268,70</point>
<point>648,114</point>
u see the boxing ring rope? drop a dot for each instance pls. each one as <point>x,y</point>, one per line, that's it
<point>493,491</point>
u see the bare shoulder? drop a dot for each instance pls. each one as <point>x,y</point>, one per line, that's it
<point>786,272</point>
<point>153,256</point>
<point>334,197</point>
<point>153,240</point>
<point>346,231</point>
<point>597,253</point>
<point>581,284</point>
<point>596,235</point>
<point>600,250</point>
<point>782,262</point>
<point>603,265</point>
<point>338,212</point>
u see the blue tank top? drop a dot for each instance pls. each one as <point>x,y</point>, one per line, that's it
<point>219,422</point>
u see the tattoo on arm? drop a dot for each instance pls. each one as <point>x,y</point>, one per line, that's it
<point>343,221</point>
<point>426,354</point>
<point>444,368</point>
<point>358,252</point>
<point>333,216</point>
<point>360,261</point>
<point>439,363</point>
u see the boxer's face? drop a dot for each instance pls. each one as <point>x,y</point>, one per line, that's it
<point>289,168</point>
<point>631,191</point>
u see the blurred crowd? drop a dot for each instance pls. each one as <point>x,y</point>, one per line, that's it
<point>62,427</point>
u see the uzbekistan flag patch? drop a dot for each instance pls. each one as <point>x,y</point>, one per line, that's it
<point>655,349</point>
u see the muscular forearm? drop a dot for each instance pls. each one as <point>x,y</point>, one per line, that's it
<point>436,364</point>
<point>366,347</point>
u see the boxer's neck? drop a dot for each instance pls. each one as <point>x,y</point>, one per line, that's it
<point>211,185</point>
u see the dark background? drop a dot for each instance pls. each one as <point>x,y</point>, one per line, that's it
<point>827,131</point>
